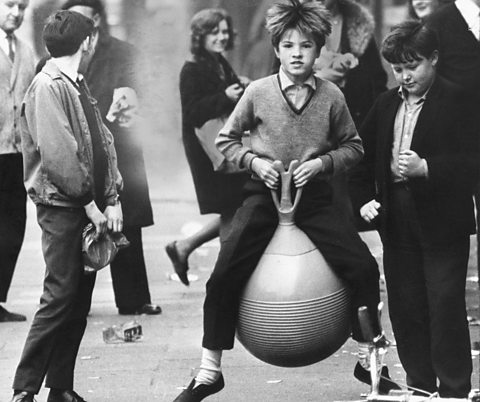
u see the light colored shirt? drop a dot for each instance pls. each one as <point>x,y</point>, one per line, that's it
<point>404,126</point>
<point>471,14</point>
<point>4,45</point>
<point>14,81</point>
<point>297,94</point>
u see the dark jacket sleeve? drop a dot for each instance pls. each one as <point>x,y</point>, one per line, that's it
<point>459,167</point>
<point>198,106</point>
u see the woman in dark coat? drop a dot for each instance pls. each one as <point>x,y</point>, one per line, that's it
<point>209,88</point>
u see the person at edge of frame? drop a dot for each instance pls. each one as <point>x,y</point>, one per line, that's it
<point>422,157</point>
<point>71,175</point>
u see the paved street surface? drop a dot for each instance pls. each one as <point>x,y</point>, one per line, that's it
<point>158,366</point>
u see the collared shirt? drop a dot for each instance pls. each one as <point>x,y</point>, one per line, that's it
<point>4,43</point>
<point>295,93</point>
<point>471,14</point>
<point>404,126</point>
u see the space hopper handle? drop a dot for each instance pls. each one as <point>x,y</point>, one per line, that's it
<point>286,209</point>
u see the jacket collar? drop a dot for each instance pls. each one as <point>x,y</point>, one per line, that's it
<point>51,69</point>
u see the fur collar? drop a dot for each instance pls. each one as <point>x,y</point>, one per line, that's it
<point>359,25</point>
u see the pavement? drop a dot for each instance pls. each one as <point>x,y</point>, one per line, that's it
<point>159,365</point>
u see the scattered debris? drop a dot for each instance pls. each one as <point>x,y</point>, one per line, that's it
<point>472,321</point>
<point>89,357</point>
<point>128,332</point>
<point>174,277</point>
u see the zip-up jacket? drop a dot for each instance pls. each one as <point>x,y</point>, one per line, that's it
<point>57,145</point>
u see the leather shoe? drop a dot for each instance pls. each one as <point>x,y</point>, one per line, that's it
<point>23,397</point>
<point>7,316</point>
<point>386,383</point>
<point>196,394</point>
<point>148,309</point>
<point>181,267</point>
<point>59,395</point>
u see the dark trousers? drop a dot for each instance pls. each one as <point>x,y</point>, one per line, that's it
<point>129,275</point>
<point>252,229</point>
<point>426,297</point>
<point>59,324</point>
<point>13,217</point>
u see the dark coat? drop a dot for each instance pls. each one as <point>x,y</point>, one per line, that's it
<point>368,80</point>
<point>459,49</point>
<point>446,135</point>
<point>203,98</point>
<point>113,66</point>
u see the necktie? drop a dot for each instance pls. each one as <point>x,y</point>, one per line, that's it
<point>11,52</point>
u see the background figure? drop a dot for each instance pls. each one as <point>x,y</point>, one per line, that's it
<point>209,89</point>
<point>261,57</point>
<point>458,28</point>
<point>16,73</point>
<point>112,78</point>
<point>421,9</point>
<point>350,59</point>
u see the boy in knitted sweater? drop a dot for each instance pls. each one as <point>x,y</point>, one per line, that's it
<point>291,116</point>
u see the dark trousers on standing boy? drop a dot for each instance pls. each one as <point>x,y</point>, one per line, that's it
<point>252,229</point>
<point>129,273</point>
<point>426,289</point>
<point>57,329</point>
<point>13,216</point>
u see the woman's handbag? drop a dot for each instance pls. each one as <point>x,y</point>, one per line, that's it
<point>206,136</point>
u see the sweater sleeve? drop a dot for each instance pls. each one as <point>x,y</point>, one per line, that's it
<point>349,150</point>
<point>50,129</point>
<point>229,140</point>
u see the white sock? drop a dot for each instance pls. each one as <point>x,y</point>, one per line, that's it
<point>210,367</point>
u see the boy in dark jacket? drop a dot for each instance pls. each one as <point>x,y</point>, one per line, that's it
<point>71,175</point>
<point>421,152</point>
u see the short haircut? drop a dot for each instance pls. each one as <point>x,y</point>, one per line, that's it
<point>310,18</point>
<point>409,41</point>
<point>96,5</point>
<point>203,23</point>
<point>65,31</point>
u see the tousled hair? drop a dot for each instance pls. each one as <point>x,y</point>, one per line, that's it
<point>310,18</point>
<point>409,41</point>
<point>203,23</point>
